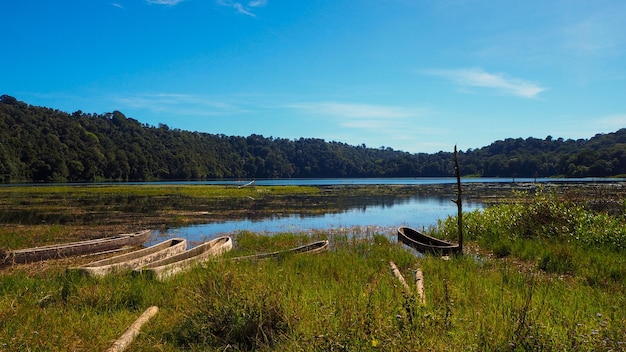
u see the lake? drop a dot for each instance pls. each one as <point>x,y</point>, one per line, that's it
<point>378,181</point>
<point>382,215</point>
<point>379,216</point>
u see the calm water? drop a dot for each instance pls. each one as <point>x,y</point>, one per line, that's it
<point>382,217</point>
<point>374,181</point>
<point>344,181</point>
<point>385,217</point>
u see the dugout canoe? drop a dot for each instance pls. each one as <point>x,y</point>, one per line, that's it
<point>424,243</point>
<point>63,250</point>
<point>183,261</point>
<point>310,248</point>
<point>133,260</point>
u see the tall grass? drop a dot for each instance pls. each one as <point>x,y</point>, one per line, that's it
<point>552,234</point>
<point>536,297</point>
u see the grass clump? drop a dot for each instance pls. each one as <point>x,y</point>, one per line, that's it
<point>226,314</point>
<point>560,260</point>
<point>554,234</point>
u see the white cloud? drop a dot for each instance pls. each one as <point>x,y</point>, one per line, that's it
<point>380,118</point>
<point>119,6</point>
<point>184,104</point>
<point>613,122</point>
<point>165,2</point>
<point>242,7</point>
<point>356,110</point>
<point>258,3</point>
<point>478,78</point>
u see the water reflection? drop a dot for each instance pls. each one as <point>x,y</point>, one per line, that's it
<point>381,215</point>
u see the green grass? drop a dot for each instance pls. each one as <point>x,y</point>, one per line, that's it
<point>548,275</point>
<point>553,235</point>
<point>342,300</point>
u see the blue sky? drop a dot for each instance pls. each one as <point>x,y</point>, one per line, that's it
<point>413,75</point>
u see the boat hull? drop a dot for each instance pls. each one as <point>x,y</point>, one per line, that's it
<point>57,251</point>
<point>164,268</point>
<point>310,248</point>
<point>424,243</point>
<point>133,260</point>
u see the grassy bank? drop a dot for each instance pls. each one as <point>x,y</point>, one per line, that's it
<point>342,300</point>
<point>542,272</point>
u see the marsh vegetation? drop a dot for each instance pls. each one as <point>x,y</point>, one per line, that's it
<point>542,270</point>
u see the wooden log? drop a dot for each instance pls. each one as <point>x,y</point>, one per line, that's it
<point>125,340</point>
<point>396,272</point>
<point>419,283</point>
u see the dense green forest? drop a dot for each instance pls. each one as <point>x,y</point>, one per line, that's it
<point>43,144</point>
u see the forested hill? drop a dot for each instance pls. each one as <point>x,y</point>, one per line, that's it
<point>43,144</point>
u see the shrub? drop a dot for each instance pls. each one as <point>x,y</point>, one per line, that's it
<point>543,216</point>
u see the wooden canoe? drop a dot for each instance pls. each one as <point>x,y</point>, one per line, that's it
<point>311,248</point>
<point>133,260</point>
<point>175,264</point>
<point>56,251</point>
<point>424,243</point>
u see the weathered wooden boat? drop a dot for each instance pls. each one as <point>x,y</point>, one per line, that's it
<point>247,184</point>
<point>424,243</point>
<point>183,261</point>
<point>133,260</point>
<point>310,248</point>
<point>56,251</point>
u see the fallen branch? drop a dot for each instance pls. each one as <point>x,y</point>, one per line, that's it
<point>125,340</point>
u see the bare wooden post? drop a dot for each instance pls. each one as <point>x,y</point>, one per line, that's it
<point>419,283</point>
<point>125,340</point>
<point>458,201</point>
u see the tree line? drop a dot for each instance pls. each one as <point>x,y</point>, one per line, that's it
<point>40,144</point>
